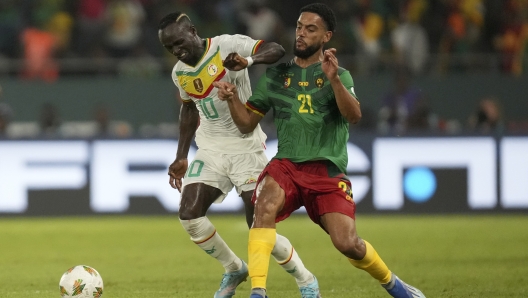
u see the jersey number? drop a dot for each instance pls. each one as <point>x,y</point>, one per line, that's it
<point>195,169</point>
<point>208,108</point>
<point>306,103</point>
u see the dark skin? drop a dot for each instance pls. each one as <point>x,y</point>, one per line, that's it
<point>181,39</point>
<point>311,30</point>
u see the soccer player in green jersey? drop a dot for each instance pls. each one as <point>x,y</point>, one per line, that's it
<point>225,157</point>
<point>313,102</point>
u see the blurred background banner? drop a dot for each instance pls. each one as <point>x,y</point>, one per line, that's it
<point>461,174</point>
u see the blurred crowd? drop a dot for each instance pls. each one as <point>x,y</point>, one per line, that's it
<point>46,39</point>
<point>49,36</point>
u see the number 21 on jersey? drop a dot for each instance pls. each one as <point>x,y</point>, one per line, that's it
<point>306,103</point>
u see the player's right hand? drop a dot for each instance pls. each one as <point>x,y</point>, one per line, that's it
<point>176,172</point>
<point>235,62</point>
<point>226,90</point>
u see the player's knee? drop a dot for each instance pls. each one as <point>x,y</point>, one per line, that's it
<point>350,246</point>
<point>188,214</point>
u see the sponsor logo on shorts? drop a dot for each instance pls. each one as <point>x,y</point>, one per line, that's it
<point>250,180</point>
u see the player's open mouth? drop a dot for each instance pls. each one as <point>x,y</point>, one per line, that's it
<point>182,55</point>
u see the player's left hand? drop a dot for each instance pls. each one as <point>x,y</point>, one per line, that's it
<point>176,172</point>
<point>235,62</point>
<point>330,63</point>
<point>226,90</point>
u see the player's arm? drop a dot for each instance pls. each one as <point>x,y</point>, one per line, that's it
<point>267,53</point>
<point>244,119</point>
<point>348,105</point>
<point>189,118</point>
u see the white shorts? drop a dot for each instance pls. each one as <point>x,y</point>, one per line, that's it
<point>223,171</point>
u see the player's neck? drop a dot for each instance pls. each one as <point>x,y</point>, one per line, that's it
<point>200,51</point>
<point>305,62</point>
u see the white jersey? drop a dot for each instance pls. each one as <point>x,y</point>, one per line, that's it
<point>217,131</point>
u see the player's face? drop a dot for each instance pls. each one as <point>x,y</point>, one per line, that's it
<point>182,41</point>
<point>310,35</point>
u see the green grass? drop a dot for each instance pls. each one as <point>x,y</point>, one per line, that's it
<point>444,256</point>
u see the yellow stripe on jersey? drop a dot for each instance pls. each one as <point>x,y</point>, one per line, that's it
<point>256,47</point>
<point>254,110</point>
<point>199,84</point>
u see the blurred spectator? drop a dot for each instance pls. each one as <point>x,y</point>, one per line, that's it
<point>49,120</point>
<point>261,22</point>
<point>60,26</point>
<point>102,118</point>
<point>404,109</point>
<point>368,26</point>
<point>6,114</point>
<point>90,26</point>
<point>124,19</point>
<point>10,27</point>
<point>462,33</point>
<point>39,50</point>
<point>512,42</point>
<point>409,38</point>
<point>487,118</point>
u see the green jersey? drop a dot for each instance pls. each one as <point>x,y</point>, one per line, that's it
<point>309,124</point>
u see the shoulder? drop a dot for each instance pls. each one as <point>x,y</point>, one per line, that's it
<point>341,70</point>
<point>178,67</point>
<point>226,38</point>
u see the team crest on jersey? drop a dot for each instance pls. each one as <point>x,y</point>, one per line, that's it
<point>319,82</point>
<point>211,70</point>
<point>198,85</point>
<point>287,82</point>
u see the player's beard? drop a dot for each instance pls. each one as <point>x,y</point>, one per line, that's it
<point>306,53</point>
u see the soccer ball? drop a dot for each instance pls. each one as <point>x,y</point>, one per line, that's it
<point>81,282</point>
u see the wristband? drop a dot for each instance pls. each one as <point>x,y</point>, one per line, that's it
<point>249,61</point>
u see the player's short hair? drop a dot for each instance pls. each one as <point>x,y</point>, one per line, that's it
<point>173,17</point>
<point>324,11</point>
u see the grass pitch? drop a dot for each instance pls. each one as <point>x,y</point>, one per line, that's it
<point>444,256</point>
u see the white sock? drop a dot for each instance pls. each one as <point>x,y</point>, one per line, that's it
<point>204,234</point>
<point>287,258</point>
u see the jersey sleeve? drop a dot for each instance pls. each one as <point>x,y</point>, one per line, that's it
<point>259,102</point>
<point>183,95</point>
<point>348,82</point>
<point>243,45</point>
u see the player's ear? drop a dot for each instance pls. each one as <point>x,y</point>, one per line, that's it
<point>193,30</point>
<point>327,36</point>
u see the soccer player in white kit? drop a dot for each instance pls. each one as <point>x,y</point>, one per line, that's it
<point>225,157</point>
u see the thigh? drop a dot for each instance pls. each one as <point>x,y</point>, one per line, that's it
<point>338,200</point>
<point>270,199</point>
<point>244,170</point>
<point>196,199</point>
<point>208,168</point>
<point>281,173</point>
